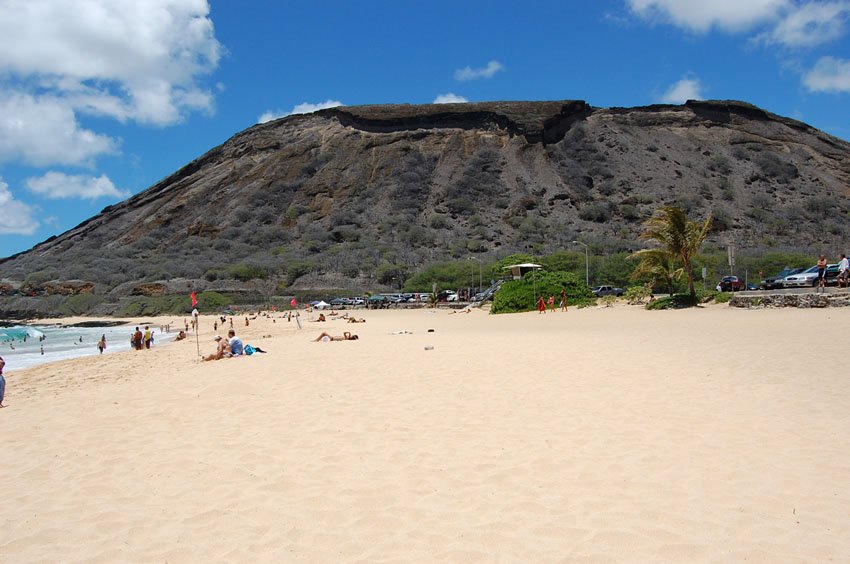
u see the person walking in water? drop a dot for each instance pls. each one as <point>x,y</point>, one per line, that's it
<point>101,344</point>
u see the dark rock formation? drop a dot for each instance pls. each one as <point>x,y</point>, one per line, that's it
<point>324,199</point>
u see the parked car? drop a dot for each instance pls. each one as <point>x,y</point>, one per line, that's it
<point>809,277</point>
<point>774,282</point>
<point>731,284</point>
<point>444,296</point>
<point>377,301</point>
<point>607,291</point>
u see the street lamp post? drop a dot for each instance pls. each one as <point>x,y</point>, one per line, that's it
<point>586,263</point>
<point>479,272</point>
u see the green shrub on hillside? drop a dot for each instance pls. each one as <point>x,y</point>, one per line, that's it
<point>245,272</point>
<point>174,303</point>
<point>79,304</point>
<point>519,295</point>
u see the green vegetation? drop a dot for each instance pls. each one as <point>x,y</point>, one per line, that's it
<point>519,295</point>
<point>245,272</point>
<point>676,301</point>
<point>679,238</point>
<point>638,294</point>
<point>79,304</point>
<point>659,267</point>
<point>40,277</point>
<point>173,303</point>
<point>722,297</point>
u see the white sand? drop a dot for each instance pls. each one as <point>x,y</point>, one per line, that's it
<point>604,435</point>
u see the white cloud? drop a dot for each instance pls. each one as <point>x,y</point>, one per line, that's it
<point>305,108</point>
<point>17,216</point>
<point>810,24</point>
<point>829,75</point>
<point>702,15</point>
<point>469,73</point>
<point>58,185</point>
<point>682,91</point>
<point>44,130</point>
<point>143,58</point>
<point>450,98</point>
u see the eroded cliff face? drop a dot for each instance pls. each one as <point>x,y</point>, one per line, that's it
<point>325,198</point>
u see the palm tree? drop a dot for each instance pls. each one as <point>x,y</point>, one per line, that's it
<point>658,265</point>
<point>679,237</point>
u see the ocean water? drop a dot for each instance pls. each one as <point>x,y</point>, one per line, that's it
<point>21,346</point>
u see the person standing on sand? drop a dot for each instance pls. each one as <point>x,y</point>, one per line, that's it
<point>137,340</point>
<point>844,271</point>
<point>541,305</point>
<point>551,302</point>
<point>2,382</point>
<point>147,337</point>
<point>822,273</point>
<point>563,300</point>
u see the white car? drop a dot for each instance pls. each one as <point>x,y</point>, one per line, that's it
<point>804,279</point>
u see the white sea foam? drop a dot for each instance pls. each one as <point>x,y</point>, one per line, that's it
<point>62,343</point>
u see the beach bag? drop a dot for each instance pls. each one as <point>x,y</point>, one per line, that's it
<point>249,349</point>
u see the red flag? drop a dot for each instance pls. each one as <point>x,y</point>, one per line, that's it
<point>194,299</point>
<point>293,303</point>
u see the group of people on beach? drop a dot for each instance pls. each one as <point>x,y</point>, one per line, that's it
<point>843,272</point>
<point>230,347</point>
<point>139,340</point>
<point>543,302</point>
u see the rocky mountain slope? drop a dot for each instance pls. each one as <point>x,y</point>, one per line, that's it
<point>324,199</point>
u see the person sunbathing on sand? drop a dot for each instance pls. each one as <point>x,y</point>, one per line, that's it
<point>355,320</point>
<point>221,349</point>
<point>326,337</point>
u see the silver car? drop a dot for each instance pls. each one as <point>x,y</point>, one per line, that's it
<point>807,278</point>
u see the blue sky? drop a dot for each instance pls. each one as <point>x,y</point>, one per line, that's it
<point>100,99</point>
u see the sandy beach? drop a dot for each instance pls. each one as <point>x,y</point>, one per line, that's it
<point>597,435</point>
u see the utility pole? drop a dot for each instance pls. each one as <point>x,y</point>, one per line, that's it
<point>586,263</point>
